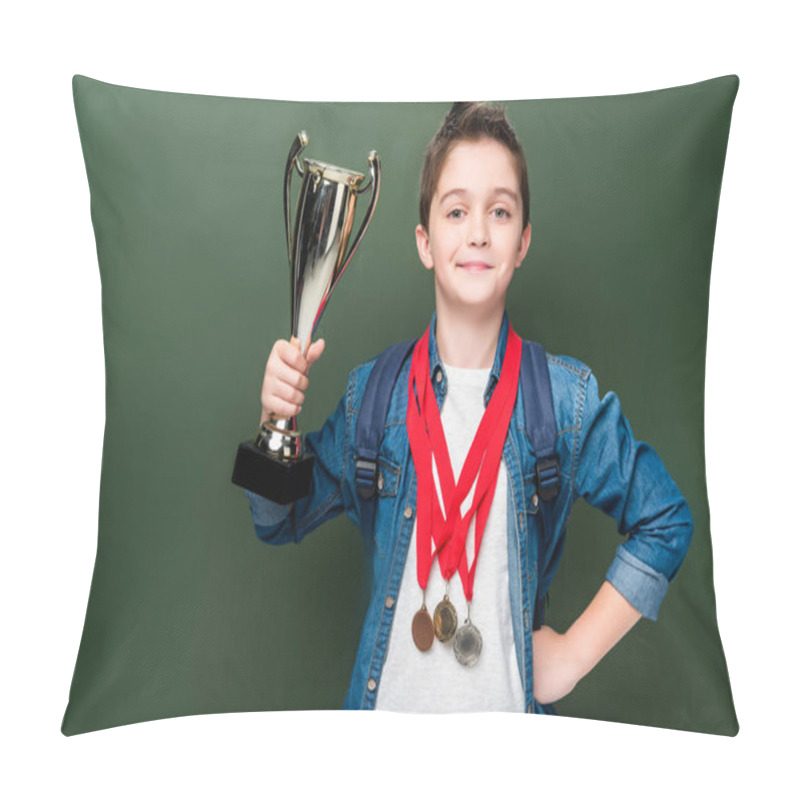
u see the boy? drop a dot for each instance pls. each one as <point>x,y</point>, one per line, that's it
<point>458,514</point>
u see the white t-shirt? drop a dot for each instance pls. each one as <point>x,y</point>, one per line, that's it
<point>434,680</point>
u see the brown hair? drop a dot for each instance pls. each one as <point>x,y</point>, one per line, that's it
<point>470,122</point>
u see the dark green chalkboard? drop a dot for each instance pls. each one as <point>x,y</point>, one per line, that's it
<point>189,613</point>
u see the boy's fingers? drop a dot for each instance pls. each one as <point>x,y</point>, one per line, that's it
<point>282,399</point>
<point>283,410</point>
<point>291,355</point>
<point>315,351</point>
<point>287,392</point>
<point>294,377</point>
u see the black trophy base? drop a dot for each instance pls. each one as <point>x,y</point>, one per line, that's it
<point>280,481</point>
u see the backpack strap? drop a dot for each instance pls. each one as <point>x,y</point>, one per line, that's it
<point>540,417</point>
<point>371,423</point>
<point>540,425</point>
<point>537,397</point>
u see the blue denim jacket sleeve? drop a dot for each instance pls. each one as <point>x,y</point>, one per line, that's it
<point>626,479</point>
<point>330,490</point>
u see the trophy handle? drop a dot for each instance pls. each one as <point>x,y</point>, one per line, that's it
<point>375,183</point>
<point>298,145</point>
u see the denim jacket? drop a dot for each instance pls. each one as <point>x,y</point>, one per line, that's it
<point>599,459</point>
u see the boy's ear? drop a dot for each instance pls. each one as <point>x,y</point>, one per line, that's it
<point>524,244</point>
<point>424,246</point>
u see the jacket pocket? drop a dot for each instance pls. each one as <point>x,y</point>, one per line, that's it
<point>387,486</point>
<point>532,502</point>
<point>388,477</point>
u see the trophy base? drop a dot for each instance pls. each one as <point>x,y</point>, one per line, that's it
<point>278,480</point>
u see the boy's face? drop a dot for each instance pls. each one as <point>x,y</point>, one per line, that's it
<point>475,238</point>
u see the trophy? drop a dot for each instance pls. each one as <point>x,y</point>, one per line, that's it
<point>275,464</point>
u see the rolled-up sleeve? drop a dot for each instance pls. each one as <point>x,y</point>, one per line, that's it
<point>265,512</point>
<point>627,480</point>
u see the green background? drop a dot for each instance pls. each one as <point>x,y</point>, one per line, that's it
<point>189,613</point>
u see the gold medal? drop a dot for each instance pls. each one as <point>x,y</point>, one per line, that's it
<point>422,629</point>
<point>445,621</point>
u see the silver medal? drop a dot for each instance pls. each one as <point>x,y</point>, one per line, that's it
<point>467,644</point>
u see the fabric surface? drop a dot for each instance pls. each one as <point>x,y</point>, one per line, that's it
<point>188,612</point>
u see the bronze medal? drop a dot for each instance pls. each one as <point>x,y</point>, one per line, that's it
<point>467,644</point>
<point>422,629</point>
<point>445,621</point>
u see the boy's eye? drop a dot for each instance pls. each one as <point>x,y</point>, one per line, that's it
<point>456,213</point>
<point>501,212</point>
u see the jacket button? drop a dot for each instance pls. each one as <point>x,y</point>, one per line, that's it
<point>535,500</point>
<point>380,481</point>
<point>371,684</point>
<point>408,513</point>
<point>389,601</point>
<point>438,376</point>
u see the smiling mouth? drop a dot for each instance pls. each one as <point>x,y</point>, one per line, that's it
<point>475,266</point>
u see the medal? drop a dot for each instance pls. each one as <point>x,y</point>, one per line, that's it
<point>442,530</point>
<point>422,629</point>
<point>445,620</point>
<point>467,644</point>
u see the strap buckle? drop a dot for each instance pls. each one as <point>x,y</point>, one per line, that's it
<point>366,477</point>
<point>548,477</point>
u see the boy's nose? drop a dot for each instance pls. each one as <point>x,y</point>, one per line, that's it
<point>478,233</point>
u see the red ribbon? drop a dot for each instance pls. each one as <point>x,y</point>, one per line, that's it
<point>441,535</point>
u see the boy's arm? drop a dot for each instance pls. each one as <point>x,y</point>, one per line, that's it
<point>330,492</point>
<point>627,480</point>
<point>604,622</point>
<point>561,660</point>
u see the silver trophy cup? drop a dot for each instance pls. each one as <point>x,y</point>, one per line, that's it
<point>275,465</point>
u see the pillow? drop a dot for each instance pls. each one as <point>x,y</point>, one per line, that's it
<point>189,613</point>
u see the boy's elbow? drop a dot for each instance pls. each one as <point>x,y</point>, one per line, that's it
<point>663,542</point>
<point>280,533</point>
<point>678,539</point>
<point>271,521</point>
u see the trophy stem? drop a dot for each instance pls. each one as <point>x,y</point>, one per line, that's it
<point>280,438</point>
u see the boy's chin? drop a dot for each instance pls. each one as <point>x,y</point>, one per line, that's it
<point>475,302</point>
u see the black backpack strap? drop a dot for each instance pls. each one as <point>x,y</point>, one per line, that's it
<point>372,421</point>
<point>540,424</point>
<point>540,417</point>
